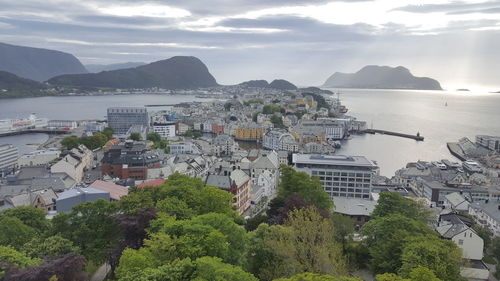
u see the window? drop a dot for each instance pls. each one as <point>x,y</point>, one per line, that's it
<point>460,242</point>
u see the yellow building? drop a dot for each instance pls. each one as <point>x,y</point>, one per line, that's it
<point>307,100</point>
<point>249,132</point>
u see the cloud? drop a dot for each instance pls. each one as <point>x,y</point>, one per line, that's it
<point>453,7</point>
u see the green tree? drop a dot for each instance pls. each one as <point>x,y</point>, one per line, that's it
<point>317,277</point>
<point>101,139</point>
<point>108,131</point>
<point>49,247</point>
<point>270,109</point>
<point>417,274</point>
<point>136,200</point>
<point>484,233</point>
<point>30,216</point>
<point>213,269</point>
<point>90,227</point>
<point>310,188</point>
<point>344,229</point>
<point>393,203</point>
<point>13,232</point>
<point>439,255</point>
<point>135,136</point>
<point>385,238</point>
<point>70,142</point>
<point>154,137</point>
<point>277,121</point>
<point>11,256</point>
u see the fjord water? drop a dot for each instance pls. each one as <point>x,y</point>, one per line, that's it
<point>467,114</point>
<point>439,116</point>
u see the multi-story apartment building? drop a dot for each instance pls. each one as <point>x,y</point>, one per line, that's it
<point>490,142</point>
<point>238,183</point>
<point>165,130</point>
<point>342,176</point>
<point>120,119</point>
<point>280,140</point>
<point>8,155</point>
<point>249,131</point>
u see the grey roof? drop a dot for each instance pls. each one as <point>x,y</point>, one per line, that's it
<point>339,160</point>
<point>491,208</point>
<point>77,191</point>
<point>219,181</point>
<point>354,206</point>
<point>451,230</point>
<point>456,199</point>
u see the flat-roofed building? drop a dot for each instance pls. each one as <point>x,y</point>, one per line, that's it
<point>8,155</point>
<point>342,176</point>
<point>165,130</point>
<point>120,119</point>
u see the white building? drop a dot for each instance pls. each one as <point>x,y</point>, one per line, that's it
<point>489,142</point>
<point>165,130</point>
<point>280,140</point>
<point>224,145</point>
<point>342,176</point>
<point>183,148</point>
<point>62,124</point>
<point>487,214</point>
<point>38,157</point>
<point>182,128</point>
<point>452,227</point>
<point>75,163</point>
<point>8,156</point>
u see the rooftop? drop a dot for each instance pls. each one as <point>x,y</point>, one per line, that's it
<point>354,206</point>
<point>339,160</point>
<point>115,191</point>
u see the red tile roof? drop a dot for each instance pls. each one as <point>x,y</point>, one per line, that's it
<point>155,182</point>
<point>115,191</point>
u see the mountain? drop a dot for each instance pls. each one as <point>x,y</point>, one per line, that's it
<point>174,73</point>
<point>95,68</point>
<point>14,86</point>
<point>255,84</point>
<point>281,84</point>
<point>381,77</point>
<point>37,64</point>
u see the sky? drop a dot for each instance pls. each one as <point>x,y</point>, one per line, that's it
<point>303,41</point>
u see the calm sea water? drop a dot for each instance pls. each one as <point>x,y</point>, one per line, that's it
<point>466,114</point>
<point>439,116</point>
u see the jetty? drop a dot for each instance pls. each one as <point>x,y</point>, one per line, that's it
<point>416,137</point>
<point>34,131</point>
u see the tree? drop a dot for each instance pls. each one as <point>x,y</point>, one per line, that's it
<point>344,229</point>
<point>270,109</point>
<point>303,244</point>
<point>69,267</point>
<point>135,136</point>
<point>417,274</point>
<point>30,216</point>
<point>13,232</point>
<point>393,203</point>
<point>90,226</point>
<point>439,255</point>
<point>10,258</point>
<point>213,269</point>
<point>484,233</point>
<point>108,131</point>
<point>70,142</point>
<point>154,137</point>
<point>317,277</point>
<point>280,207</point>
<point>49,247</point>
<point>277,121</point>
<point>385,238</point>
<point>310,188</point>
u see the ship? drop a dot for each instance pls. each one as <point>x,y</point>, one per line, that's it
<point>32,122</point>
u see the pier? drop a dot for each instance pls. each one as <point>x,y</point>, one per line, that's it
<point>416,137</point>
<point>34,131</point>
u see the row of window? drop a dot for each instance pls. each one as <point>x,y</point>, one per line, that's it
<point>357,190</point>
<point>350,195</point>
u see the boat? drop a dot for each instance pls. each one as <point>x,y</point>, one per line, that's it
<point>32,122</point>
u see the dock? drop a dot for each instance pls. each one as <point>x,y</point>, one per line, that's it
<point>416,137</point>
<point>35,131</point>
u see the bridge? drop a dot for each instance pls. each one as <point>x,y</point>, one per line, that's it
<point>34,131</point>
<point>416,137</point>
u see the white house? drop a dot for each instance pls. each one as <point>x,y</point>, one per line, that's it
<point>75,163</point>
<point>457,228</point>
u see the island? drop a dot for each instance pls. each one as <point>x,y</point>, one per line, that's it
<point>381,77</point>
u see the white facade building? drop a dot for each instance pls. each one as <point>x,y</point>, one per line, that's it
<point>342,176</point>
<point>280,140</point>
<point>165,130</point>
<point>38,157</point>
<point>8,156</point>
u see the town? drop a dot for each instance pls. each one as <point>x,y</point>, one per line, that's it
<point>240,142</point>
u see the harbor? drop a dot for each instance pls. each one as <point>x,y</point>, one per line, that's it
<point>416,137</point>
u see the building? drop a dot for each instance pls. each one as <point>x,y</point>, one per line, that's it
<point>62,124</point>
<point>249,131</point>
<point>120,119</point>
<point>38,158</point>
<point>238,183</point>
<point>490,142</point>
<point>280,140</point>
<point>183,148</point>
<point>182,128</point>
<point>130,160</point>
<point>342,176</point>
<point>70,198</point>
<point>456,202</point>
<point>359,210</point>
<point>41,199</point>
<point>94,127</point>
<point>75,163</point>
<point>115,191</point>
<point>8,156</point>
<point>165,130</point>
<point>224,145</point>
<point>487,214</point>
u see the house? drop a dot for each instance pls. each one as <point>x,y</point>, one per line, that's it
<point>41,199</point>
<point>458,229</point>
<point>115,191</point>
<point>359,210</point>
<point>456,202</point>
<point>238,183</point>
<point>224,145</point>
<point>487,214</point>
<point>75,163</point>
<point>70,198</point>
<point>38,158</point>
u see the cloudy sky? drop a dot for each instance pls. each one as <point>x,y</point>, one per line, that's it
<point>304,41</point>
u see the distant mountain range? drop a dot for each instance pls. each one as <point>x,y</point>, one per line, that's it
<point>278,84</point>
<point>381,77</point>
<point>14,86</point>
<point>37,64</point>
<point>179,72</point>
<point>95,68</point>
